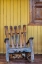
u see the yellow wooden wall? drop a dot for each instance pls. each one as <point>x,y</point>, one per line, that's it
<point>16,12</point>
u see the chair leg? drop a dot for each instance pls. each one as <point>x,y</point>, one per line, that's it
<point>31,46</point>
<point>32,56</point>
<point>7,56</point>
<point>7,50</point>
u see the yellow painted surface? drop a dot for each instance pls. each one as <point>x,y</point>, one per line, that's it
<point>16,12</point>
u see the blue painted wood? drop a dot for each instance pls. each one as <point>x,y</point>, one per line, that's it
<point>19,50</point>
<point>7,48</point>
<point>31,46</point>
<point>24,34</point>
<point>16,39</point>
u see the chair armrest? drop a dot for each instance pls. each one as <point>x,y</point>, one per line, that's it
<point>29,39</point>
<point>6,39</point>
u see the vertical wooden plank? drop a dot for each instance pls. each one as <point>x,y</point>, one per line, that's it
<point>8,13</point>
<point>25,12</point>
<point>27,18</point>
<point>28,14</point>
<point>8,6</point>
<point>39,41</point>
<point>22,12</point>
<point>1,26</point>
<point>15,12</point>
<point>41,38</point>
<point>19,11</point>
<point>32,31</point>
<point>29,31</point>
<point>30,11</point>
<point>32,35</point>
<point>11,12</point>
<point>4,12</point>
<point>35,40</point>
<point>4,22</point>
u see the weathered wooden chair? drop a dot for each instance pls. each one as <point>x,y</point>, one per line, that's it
<point>16,42</point>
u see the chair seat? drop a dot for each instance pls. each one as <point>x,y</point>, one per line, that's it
<point>19,50</point>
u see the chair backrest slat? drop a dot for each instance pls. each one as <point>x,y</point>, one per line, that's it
<point>11,36</point>
<point>6,31</point>
<point>20,34</point>
<point>17,36</point>
<point>24,35</point>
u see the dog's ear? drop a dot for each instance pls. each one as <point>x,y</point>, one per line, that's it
<point>27,42</point>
